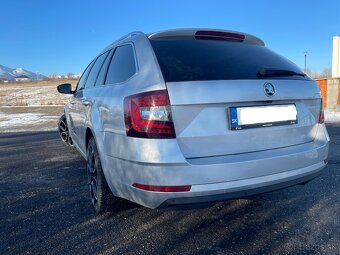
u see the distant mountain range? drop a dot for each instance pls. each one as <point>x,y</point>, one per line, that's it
<point>10,73</point>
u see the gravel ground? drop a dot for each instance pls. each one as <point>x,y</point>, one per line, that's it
<point>45,209</point>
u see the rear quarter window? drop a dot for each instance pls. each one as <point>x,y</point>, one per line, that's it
<point>122,65</point>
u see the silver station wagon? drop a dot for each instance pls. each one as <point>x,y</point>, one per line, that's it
<point>191,116</point>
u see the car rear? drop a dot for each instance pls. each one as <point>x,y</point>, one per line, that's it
<point>233,119</point>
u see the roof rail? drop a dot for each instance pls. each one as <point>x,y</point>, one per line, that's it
<point>127,36</point>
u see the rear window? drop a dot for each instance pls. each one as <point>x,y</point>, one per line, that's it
<point>199,60</point>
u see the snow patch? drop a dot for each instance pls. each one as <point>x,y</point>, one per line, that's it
<point>332,116</point>
<point>15,120</point>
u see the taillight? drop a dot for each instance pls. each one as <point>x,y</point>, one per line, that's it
<point>219,34</point>
<point>322,114</point>
<point>184,188</point>
<point>148,115</point>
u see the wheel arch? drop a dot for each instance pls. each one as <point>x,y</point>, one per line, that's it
<point>89,133</point>
<point>88,136</point>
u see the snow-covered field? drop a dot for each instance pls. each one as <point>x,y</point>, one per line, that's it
<point>20,119</point>
<point>32,106</point>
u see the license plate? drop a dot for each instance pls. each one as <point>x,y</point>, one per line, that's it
<point>262,116</point>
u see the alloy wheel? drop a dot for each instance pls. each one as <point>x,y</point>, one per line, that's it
<point>92,175</point>
<point>64,132</point>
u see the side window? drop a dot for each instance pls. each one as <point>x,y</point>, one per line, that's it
<point>122,65</point>
<point>82,80</point>
<point>95,69</point>
<point>102,72</point>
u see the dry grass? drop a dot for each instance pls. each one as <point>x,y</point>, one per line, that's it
<point>35,93</point>
<point>29,106</point>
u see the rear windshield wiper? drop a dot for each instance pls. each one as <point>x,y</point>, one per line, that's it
<point>271,72</point>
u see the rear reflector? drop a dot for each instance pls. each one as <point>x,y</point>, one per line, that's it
<point>162,188</point>
<point>219,34</point>
<point>148,115</point>
<point>322,114</point>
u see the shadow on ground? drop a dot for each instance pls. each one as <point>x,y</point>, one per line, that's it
<point>45,209</point>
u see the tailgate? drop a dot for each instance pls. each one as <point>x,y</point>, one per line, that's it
<point>201,113</point>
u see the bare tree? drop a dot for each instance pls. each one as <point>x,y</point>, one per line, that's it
<point>326,73</point>
<point>52,76</point>
<point>70,75</point>
<point>312,73</point>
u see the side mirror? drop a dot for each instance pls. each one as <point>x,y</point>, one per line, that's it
<point>65,88</point>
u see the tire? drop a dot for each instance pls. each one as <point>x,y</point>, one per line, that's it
<point>101,196</point>
<point>64,132</point>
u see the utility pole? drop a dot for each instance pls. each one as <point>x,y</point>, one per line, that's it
<point>305,61</point>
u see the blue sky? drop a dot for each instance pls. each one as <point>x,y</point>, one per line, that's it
<point>63,36</point>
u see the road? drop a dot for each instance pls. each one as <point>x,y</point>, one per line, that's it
<point>45,209</point>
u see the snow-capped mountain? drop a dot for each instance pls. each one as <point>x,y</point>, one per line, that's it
<point>10,73</point>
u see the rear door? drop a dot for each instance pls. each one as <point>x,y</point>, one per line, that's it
<point>207,79</point>
<point>86,99</point>
<point>75,108</point>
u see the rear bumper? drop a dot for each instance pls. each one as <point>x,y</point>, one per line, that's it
<point>247,189</point>
<point>226,190</point>
<point>218,178</point>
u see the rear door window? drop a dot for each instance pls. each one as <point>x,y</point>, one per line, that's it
<point>103,70</point>
<point>83,78</point>
<point>122,66</point>
<point>95,69</point>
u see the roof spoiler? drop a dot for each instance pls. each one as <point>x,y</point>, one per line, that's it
<point>202,33</point>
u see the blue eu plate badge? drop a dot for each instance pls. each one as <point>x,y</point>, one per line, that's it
<point>233,117</point>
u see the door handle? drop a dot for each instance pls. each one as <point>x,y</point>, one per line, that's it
<point>72,102</point>
<point>85,102</point>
